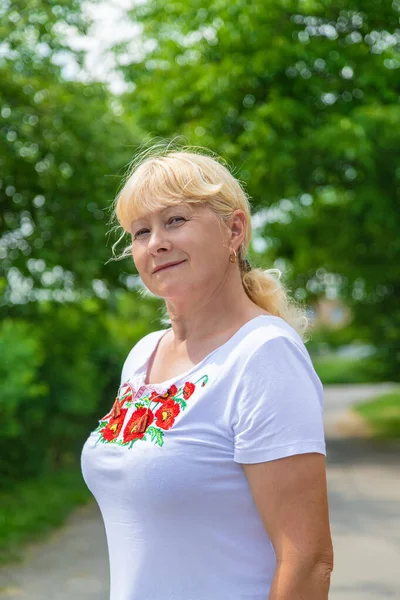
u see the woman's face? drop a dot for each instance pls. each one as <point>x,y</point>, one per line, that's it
<point>190,234</point>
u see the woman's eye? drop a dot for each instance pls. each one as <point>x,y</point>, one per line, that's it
<point>179,218</point>
<point>138,234</point>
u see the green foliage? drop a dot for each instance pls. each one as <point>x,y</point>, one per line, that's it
<point>60,375</point>
<point>383,414</point>
<point>325,339</point>
<point>31,509</point>
<point>22,393</point>
<point>334,369</point>
<point>61,148</point>
<point>19,367</point>
<point>62,145</point>
<point>31,29</point>
<point>78,369</point>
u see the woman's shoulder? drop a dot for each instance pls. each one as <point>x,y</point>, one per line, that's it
<point>273,348</point>
<point>270,343</point>
<point>267,329</point>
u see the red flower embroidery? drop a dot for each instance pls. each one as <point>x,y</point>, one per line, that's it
<point>124,389</point>
<point>113,427</point>
<point>136,427</point>
<point>118,404</point>
<point>171,403</point>
<point>163,397</point>
<point>171,391</point>
<point>188,389</point>
<point>167,413</point>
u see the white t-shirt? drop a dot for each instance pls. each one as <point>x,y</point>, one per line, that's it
<point>180,519</point>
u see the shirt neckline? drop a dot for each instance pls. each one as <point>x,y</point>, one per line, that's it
<point>168,382</point>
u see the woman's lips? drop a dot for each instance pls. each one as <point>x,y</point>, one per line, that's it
<point>170,267</point>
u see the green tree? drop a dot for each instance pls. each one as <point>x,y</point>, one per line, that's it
<point>70,321</point>
<point>302,99</point>
<point>63,145</point>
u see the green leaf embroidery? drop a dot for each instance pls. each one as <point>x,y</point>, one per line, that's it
<point>156,435</point>
<point>181,402</point>
<point>132,442</point>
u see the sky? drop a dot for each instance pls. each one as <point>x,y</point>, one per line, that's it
<point>110,26</point>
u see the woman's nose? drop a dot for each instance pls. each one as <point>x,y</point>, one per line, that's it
<point>158,239</point>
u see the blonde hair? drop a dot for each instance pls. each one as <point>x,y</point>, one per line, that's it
<point>160,177</point>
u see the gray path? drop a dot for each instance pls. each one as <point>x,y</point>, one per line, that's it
<point>364,499</point>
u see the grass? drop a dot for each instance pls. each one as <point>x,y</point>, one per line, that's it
<point>383,415</point>
<point>31,509</point>
<point>335,369</point>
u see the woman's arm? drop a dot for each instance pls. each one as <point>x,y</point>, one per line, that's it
<point>291,496</point>
<point>301,581</point>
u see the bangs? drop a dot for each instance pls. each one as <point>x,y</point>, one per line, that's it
<point>166,181</point>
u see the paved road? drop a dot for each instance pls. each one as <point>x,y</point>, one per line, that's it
<point>364,500</point>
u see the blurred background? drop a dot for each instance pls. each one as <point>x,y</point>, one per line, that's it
<point>301,98</point>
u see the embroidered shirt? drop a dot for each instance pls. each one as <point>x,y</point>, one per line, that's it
<point>164,465</point>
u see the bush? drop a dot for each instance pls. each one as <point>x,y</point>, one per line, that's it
<point>60,372</point>
<point>335,369</point>
<point>326,339</point>
<point>22,393</point>
<point>54,377</point>
<point>76,370</point>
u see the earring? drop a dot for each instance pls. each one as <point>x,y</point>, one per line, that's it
<point>235,256</point>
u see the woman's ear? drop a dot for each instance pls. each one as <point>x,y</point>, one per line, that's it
<point>237,225</point>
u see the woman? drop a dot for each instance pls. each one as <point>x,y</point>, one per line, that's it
<point>209,470</point>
